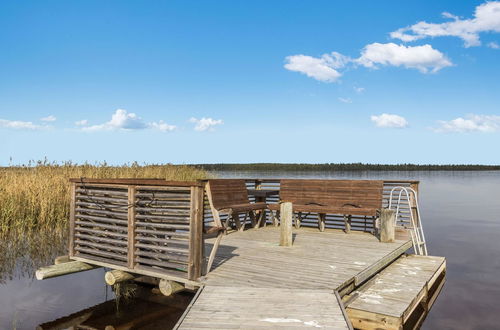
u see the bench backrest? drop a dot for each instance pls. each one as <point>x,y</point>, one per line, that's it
<point>228,192</point>
<point>337,193</point>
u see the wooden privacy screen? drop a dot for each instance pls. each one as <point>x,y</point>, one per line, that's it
<point>148,226</point>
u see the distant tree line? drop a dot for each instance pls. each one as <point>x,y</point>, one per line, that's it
<point>344,167</point>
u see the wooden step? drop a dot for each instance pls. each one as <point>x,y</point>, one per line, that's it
<point>400,296</point>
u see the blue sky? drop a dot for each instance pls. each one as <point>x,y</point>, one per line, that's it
<point>250,81</point>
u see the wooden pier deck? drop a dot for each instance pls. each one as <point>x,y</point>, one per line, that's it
<point>255,283</point>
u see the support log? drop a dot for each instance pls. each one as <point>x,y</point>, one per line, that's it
<point>62,269</point>
<point>168,288</point>
<point>286,215</point>
<point>387,226</point>
<point>117,276</point>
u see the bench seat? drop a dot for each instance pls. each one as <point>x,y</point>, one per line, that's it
<point>329,209</point>
<point>245,207</point>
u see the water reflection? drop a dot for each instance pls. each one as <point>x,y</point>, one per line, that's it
<point>144,311</point>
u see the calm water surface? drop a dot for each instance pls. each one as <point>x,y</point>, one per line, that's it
<point>460,215</point>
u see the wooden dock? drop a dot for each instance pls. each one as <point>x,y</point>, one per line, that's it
<point>343,264</point>
<point>255,283</point>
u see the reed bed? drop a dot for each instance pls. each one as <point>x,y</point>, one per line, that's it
<point>34,198</point>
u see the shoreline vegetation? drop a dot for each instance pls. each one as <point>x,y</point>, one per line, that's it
<point>35,197</point>
<point>296,167</point>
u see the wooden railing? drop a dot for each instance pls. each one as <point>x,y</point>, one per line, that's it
<point>145,226</point>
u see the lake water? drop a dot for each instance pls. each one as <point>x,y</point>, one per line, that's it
<point>461,218</point>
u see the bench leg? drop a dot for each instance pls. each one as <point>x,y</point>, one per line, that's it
<point>321,221</point>
<point>274,217</point>
<point>236,218</point>
<point>251,214</point>
<point>262,216</point>
<point>298,219</point>
<point>347,223</point>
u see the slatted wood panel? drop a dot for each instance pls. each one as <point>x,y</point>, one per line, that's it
<point>100,219</point>
<point>162,228</point>
<point>258,308</point>
<point>154,228</point>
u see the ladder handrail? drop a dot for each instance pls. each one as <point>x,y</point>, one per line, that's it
<point>416,230</point>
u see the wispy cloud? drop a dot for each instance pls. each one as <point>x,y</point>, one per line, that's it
<point>48,118</point>
<point>359,90</point>
<point>386,120</point>
<point>162,126</point>
<point>82,122</point>
<point>493,45</point>
<point>486,19</point>
<point>345,100</point>
<point>471,123</point>
<point>123,120</point>
<point>17,124</point>
<point>323,68</point>
<point>205,124</point>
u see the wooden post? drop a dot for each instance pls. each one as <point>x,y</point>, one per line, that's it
<point>347,223</point>
<point>413,203</point>
<point>117,276</point>
<point>131,228</point>
<point>387,225</point>
<point>195,233</point>
<point>286,215</point>
<point>71,241</point>
<point>321,221</point>
<point>61,259</point>
<point>168,288</point>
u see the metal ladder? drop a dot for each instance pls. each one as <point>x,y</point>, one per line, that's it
<point>416,230</point>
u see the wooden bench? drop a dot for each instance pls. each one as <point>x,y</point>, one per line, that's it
<point>230,196</point>
<point>347,197</point>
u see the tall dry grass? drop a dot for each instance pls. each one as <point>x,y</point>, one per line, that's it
<point>35,198</point>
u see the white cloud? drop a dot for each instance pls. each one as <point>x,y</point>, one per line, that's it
<point>424,58</point>
<point>162,126</point>
<point>121,119</point>
<point>359,90</point>
<point>486,19</point>
<point>345,100</point>
<point>205,124</point>
<point>322,69</point>
<point>389,120</point>
<point>493,45</point>
<point>472,123</point>
<point>48,118</point>
<point>83,122</point>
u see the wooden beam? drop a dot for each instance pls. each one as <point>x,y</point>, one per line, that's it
<point>387,226</point>
<point>286,211</point>
<point>62,269</point>
<point>131,228</point>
